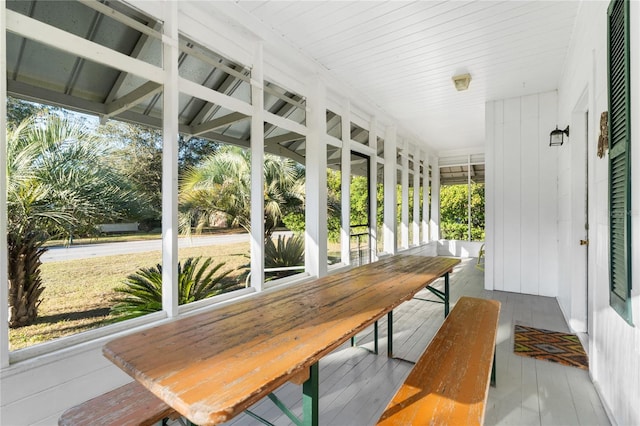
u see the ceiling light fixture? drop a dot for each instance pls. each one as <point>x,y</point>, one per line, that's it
<point>461,81</point>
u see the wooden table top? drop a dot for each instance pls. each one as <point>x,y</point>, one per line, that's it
<point>213,365</point>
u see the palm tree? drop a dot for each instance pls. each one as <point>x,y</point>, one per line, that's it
<point>222,184</point>
<point>57,183</point>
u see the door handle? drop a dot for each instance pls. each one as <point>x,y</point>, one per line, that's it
<point>584,242</point>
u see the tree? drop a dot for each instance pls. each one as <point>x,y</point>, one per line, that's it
<point>454,200</point>
<point>58,182</point>
<point>19,110</point>
<point>222,184</point>
<point>139,158</point>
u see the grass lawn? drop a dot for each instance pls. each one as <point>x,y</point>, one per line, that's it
<point>78,293</point>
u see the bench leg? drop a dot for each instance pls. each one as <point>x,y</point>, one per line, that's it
<point>493,370</point>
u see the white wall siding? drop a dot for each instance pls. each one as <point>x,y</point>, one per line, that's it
<point>614,352</point>
<point>521,188</point>
<point>530,190</point>
<point>547,194</point>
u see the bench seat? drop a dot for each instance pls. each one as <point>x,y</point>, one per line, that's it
<point>450,382</point>
<point>128,405</point>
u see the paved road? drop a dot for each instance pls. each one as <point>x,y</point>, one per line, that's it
<point>83,251</point>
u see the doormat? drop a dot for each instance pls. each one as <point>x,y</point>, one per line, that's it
<point>563,348</point>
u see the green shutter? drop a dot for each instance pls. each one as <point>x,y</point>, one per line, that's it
<point>619,157</point>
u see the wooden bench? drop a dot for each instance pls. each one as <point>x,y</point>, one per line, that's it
<point>131,404</point>
<point>450,382</point>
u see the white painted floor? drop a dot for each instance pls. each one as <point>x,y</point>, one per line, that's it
<point>356,385</point>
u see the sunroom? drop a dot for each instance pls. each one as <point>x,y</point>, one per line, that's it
<point>352,115</point>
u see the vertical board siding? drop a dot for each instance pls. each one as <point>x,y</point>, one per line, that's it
<point>498,259</point>
<point>522,190</point>
<point>512,194</point>
<point>529,191</point>
<point>547,196</point>
<point>490,196</point>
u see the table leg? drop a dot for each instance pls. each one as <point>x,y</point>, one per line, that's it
<point>390,334</point>
<point>446,294</point>
<point>310,397</point>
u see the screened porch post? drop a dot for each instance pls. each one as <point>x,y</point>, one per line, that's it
<point>316,181</point>
<point>425,197</point>
<point>257,168</point>
<point>469,195</point>
<point>345,185</point>
<point>170,162</point>
<point>435,199</point>
<point>390,176</point>
<point>373,188</point>
<point>4,279</point>
<point>404,226</point>
<point>416,197</point>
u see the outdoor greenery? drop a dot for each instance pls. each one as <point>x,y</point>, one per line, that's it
<point>454,212</point>
<point>283,253</point>
<point>222,185</point>
<point>79,293</point>
<point>58,184</point>
<point>67,173</point>
<point>141,293</point>
<point>139,160</point>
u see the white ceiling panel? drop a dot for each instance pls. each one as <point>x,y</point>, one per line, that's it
<point>403,54</point>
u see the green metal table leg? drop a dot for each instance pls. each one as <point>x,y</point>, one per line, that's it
<point>446,294</point>
<point>310,397</point>
<point>375,340</point>
<point>375,337</point>
<point>390,334</point>
<point>493,370</point>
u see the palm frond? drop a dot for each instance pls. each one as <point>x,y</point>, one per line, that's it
<point>142,291</point>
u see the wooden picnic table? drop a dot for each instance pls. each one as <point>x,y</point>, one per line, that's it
<point>213,365</point>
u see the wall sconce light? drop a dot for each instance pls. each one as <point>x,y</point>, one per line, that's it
<point>556,137</point>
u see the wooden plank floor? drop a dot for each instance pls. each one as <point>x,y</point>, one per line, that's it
<point>356,385</point>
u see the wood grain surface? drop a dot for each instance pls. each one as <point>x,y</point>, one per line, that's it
<point>211,366</point>
<point>128,405</point>
<point>450,382</point>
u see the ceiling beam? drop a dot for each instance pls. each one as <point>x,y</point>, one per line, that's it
<point>135,53</point>
<point>79,61</point>
<point>284,152</point>
<point>226,120</point>
<point>131,99</point>
<point>287,137</point>
<point>42,95</point>
<point>228,86</point>
<point>216,63</point>
<point>291,101</point>
<point>51,36</point>
<point>122,18</point>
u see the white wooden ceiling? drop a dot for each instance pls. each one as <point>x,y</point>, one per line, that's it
<point>403,54</point>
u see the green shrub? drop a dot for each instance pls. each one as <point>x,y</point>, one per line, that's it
<point>459,231</point>
<point>284,252</point>
<point>142,292</point>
